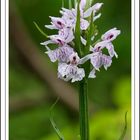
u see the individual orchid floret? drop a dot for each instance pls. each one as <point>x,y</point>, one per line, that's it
<point>71,71</point>
<point>84,24</point>
<point>104,44</point>
<point>99,46</point>
<point>70,17</point>
<point>95,8</point>
<point>65,36</point>
<point>61,54</point>
<point>111,34</point>
<point>54,39</point>
<point>99,59</point>
<point>57,23</point>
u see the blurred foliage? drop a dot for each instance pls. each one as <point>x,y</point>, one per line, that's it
<point>110,92</point>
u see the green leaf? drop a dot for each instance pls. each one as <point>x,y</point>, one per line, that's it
<point>78,32</point>
<point>75,1</point>
<point>63,4</point>
<point>40,30</point>
<point>86,49</point>
<point>90,33</point>
<point>60,136</point>
<point>70,4</point>
<point>89,3</point>
<point>125,128</point>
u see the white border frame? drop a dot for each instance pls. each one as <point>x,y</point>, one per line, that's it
<point>5,69</point>
<point>135,69</point>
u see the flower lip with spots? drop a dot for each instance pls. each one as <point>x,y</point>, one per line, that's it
<point>74,59</point>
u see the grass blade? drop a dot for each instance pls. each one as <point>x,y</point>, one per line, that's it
<point>125,128</point>
<point>40,30</point>
<point>60,136</point>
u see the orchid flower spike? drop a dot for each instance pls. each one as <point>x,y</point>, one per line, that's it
<point>70,65</point>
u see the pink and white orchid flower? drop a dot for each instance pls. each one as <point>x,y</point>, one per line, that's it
<point>71,71</point>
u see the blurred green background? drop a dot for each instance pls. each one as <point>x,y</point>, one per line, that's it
<point>34,86</point>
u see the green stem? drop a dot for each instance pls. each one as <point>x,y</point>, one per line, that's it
<point>83,110</point>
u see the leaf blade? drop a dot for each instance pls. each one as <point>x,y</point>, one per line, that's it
<point>125,128</point>
<point>40,30</point>
<point>60,136</point>
<point>77,31</point>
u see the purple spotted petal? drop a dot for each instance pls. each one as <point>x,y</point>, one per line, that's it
<point>79,75</point>
<point>111,34</point>
<point>99,46</point>
<point>96,60</point>
<point>57,40</point>
<point>70,72</point>
<point>106,61</point>
<point>59,23</point>
<point>66,34</point>
<point>61,54</point>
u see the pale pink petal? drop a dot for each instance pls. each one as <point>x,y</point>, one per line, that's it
<point>97,17</point>
<point>97,7</point>
<point>47,42</point>
<point>51,27</point>
<point>92,74</point>
<point>84,42</point>
<point>88,12</point>
<point>96,60</point>
<point>82,4</point>
<point>84,24</point>
<point>111,50</point>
